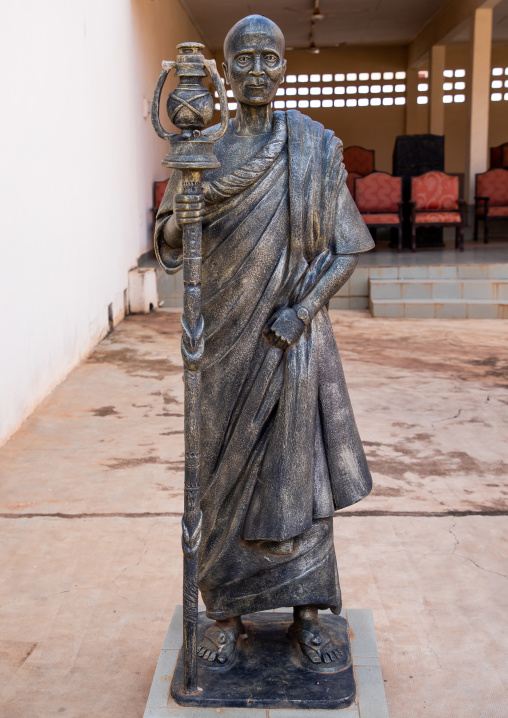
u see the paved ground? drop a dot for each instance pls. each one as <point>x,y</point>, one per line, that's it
<point>91,501</point>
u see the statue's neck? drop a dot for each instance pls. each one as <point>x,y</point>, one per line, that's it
<point>251,120</point>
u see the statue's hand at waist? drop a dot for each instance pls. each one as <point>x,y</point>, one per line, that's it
<point>284,328</point>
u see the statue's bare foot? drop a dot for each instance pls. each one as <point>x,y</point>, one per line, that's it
<point>314,639</point>
<point>219,641</point>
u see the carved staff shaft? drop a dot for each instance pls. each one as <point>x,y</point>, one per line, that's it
<point>192,351</point>
<point>190,107</point>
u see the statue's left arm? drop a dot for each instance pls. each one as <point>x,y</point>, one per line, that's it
<point>286,326</point>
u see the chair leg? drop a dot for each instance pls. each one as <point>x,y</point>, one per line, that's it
<point>461,238</point>
<point>485,231</point>
<point>456,237</point>
<point>476,221</point>
<point>399,233</point>
<point>413,237</point>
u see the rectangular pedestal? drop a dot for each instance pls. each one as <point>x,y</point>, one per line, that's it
<point>277,680</point>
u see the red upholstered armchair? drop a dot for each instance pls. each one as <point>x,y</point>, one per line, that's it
<point>358,159</point>
<point>499,156</point>
<point>491,201</point>
<point>435,202</point>
<point>158,193</point>
<point>378,196</point>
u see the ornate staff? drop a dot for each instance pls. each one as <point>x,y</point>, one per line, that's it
<point>190,107</point>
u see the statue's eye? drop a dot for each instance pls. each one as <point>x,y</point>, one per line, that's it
<point>271,59</point>
<point>243,59</point>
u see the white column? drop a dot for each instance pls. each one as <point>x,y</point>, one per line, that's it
<point>411,105</point>
<point>436,107</point>
<point>478,98</point>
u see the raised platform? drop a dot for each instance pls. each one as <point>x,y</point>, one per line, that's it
<point>369,702</point>
<point>478,262</point>
<point>464,291</point>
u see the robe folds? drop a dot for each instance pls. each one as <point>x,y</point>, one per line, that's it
<point>280,448</point>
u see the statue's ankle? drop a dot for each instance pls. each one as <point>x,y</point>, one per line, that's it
<point>306,615</point>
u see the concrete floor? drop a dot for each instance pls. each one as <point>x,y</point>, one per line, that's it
<point>91,502</point>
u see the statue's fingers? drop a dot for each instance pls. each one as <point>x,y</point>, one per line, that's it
<point>187,211</point>
<point>189,205</point>
<point>190,220</point>
<point>189,214</point>
<point>188,198</point>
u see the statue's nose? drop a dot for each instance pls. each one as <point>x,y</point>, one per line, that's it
<point>257,70</point>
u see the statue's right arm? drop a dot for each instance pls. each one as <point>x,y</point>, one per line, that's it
<point>172,233</point>
<point>187,209</point>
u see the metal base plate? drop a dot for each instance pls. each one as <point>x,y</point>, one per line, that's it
<point>269,670</point>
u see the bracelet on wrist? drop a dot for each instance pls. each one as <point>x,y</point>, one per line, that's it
<point>302,314</point>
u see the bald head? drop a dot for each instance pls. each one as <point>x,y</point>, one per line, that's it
<point>249,28</point>
<point>254,60</point>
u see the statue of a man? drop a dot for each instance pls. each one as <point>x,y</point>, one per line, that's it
<point>280,448</point>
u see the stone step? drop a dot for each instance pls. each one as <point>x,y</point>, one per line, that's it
<point>435,309</point>
<point>439,289</point>
<point>439,271</point>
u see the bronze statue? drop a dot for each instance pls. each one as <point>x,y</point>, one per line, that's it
<point>280,451</point>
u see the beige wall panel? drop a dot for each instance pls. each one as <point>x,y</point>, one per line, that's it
<point>457,56</point>
<point>371,127</point>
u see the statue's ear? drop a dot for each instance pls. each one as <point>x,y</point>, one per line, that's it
<point>285,68</point>
<point>226,74</point>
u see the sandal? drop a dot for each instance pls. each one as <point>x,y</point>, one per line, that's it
<point>316,644</point>
<point>222,643</point>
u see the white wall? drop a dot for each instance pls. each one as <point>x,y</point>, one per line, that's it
<point>78,160</point>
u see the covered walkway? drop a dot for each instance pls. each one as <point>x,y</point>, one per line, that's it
<point>92,489</point>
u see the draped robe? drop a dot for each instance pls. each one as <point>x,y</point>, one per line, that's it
<point>280,448</point>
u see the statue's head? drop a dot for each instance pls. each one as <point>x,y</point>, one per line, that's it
<point>254,60</point>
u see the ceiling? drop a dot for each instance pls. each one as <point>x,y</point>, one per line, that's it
<point>355,22</point>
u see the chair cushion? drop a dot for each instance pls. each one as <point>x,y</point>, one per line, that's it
<point>444,217</point>
<point>435,190</point>
<point>498,211</point>
<point>494,185</point>
<point>378,192</point>
<point>381,218</point>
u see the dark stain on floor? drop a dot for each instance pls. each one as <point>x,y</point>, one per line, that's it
<point>115,464</point>
<point>395,460</point>
<point>104,411</point>
<point>133,362</point>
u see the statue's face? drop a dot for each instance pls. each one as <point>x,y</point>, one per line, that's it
<point>255,66</point>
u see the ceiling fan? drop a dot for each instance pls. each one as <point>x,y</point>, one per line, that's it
<point>316,15</point>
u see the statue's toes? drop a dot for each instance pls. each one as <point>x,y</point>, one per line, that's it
<point>226,652</point>
<point>311,654</point>
<point>212,656</point>
<point>201,651</point>
<point>326,658</point>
